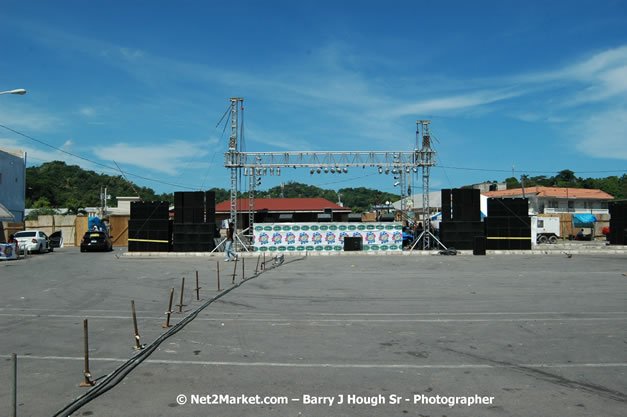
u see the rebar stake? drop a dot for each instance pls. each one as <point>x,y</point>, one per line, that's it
<point>197,288</point>
<point>87,382</point>
<point>14,386</point>
<point>257,267</point>
<point>169,312</point>
<point>180,304</point>
<point>218,274</point>
<point>243,270</point>
<point>234,271</point>
<point>138,346</point>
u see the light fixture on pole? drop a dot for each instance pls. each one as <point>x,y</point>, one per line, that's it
<point>396,183</point>
<point>19,91</point>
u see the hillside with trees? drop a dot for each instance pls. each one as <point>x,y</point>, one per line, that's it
<point>56,184</point>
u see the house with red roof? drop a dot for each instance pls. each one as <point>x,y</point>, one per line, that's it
<point>274,210</point>
<point>548,200</point>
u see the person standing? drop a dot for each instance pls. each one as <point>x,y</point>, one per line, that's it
<point>229,243</point>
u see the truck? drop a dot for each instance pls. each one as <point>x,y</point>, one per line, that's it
<point>546,229</point>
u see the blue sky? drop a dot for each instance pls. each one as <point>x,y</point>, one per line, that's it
<point>541,86</point>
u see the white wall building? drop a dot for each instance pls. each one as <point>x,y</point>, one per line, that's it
<point>549,200</point>
<point>12,185</point>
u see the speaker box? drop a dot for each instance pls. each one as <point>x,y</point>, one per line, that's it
<point>387,217</point>
<point>324,217</point>
<point>352,244</point>
<point>354,217</point>
<point>286,217</point>
<point>480,245</point>
<point>446,205</point>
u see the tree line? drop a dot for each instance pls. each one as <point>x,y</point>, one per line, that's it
<point>613,185</point>
<point>58,185</point>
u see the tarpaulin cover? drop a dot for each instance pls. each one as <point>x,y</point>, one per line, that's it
<point>584,220</point>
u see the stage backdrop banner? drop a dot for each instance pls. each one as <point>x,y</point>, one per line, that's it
<point>8,251</point>
<point>299,237</point>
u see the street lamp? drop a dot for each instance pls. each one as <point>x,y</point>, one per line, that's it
<point>19,91</point>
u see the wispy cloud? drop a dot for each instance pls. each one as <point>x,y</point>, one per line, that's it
<point>27,117</point>
<point>166,158</point>
<point>602,134</point>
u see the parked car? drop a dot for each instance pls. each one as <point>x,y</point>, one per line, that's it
<point>96,241</point>
<point>33,241</point>
<point>56,239</point>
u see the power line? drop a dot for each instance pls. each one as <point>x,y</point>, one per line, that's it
<point>95,162</point>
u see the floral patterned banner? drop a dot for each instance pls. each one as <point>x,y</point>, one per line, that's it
<point>298,237</point>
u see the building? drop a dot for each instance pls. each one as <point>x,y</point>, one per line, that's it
<point>484,187</point>
<point>549,200</point>
<point>269,210</point>
<point>12,185</point>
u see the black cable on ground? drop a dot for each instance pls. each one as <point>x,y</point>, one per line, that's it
<point>111,380</point>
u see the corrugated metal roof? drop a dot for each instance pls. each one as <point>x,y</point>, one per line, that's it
<point>555,192</point>
<point>282,204</point>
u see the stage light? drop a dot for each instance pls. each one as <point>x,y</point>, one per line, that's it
<point>278,171</point>
<point>271,171</point>
<point>415,169</point>
<point>380,170</point>
<point>332,170</point>
<point>312,171</point>
<point>318,170</point>
<point>387,170</point>
<point>326,170</point>
<point>396,184</point>
<point>346,170</point>
<point>245,171</point>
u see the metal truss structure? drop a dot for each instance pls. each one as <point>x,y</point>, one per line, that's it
<point>256,164</point>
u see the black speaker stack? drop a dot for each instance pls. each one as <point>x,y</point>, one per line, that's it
<point>618,222</point>
<point>149,228</point>
<point>461,218</point>
<point>352,244</point>
<point>508,225</point>
<point>194,221</point>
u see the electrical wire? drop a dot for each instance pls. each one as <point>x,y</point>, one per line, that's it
<point>114,378</point>
<point>95,162</point>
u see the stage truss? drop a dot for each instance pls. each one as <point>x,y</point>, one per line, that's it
<point>258,164</point>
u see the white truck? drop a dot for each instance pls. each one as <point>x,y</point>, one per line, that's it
<point>545,229</point>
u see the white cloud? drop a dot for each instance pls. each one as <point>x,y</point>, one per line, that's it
<point>604,135</point>
<point>167,158</point>
<point>21,117</point>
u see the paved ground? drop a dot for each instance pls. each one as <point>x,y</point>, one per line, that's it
<point>544,336</point>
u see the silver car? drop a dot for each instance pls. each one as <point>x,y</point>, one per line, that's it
<point>33,241</point>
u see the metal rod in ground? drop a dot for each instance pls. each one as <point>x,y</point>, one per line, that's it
<point>218,274</point>
<point>138,345</point>
<point>180,304</point>
<point>263,265</point>
<point>14,385</point>
<point>169,312</point>
<point>234,271</point>
<point>87,382</point>
<point>197,288</point>
<point>257,267</point>
<point>243,270</point>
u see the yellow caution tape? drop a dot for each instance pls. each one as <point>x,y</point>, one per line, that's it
<point>148,240</point>
<point>510,238</point>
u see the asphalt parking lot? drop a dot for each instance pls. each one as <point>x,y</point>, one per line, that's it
<point>385,336</point>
